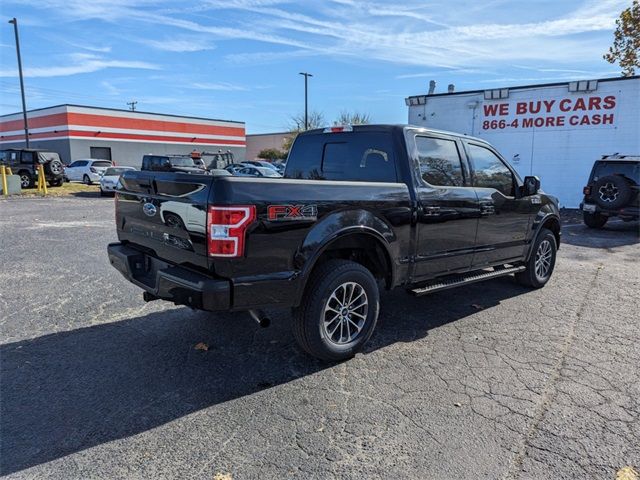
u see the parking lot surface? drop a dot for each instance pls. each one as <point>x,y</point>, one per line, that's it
<point>487,381</point>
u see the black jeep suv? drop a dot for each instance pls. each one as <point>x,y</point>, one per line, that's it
<point>612,190</point>
<point>24,162</point>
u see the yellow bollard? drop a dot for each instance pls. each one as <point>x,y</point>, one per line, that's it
<point>42,181</point>
<point>5,188</point>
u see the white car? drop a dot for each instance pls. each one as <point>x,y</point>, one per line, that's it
<point>109,179</point>
<point>86,170</point>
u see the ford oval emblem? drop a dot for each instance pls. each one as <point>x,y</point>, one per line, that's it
<point>149,209</point>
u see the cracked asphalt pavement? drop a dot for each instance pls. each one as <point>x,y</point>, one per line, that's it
<point>488,381</point>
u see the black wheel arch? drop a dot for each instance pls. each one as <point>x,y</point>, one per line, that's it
<point>549,221</point>
<point>363,245</point>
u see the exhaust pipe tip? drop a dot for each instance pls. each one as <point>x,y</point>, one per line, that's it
<point>260,317</point>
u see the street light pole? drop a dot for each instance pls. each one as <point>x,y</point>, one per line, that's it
<point>306,103</point>
<point>24,103</point>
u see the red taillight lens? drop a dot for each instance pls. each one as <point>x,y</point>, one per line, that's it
<point>586,190</point>
<point>226,227</point>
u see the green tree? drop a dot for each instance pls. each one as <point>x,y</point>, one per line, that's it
<point>272,154</point>
<point>355,118</point>
<point>626,41</point>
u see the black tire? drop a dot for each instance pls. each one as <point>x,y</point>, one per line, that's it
<point>86,180</point>
<point>310,327</point>
<point>611,191</point>
<point>594,220</point>
<point>102,193</point>
<point>530,277</point>
<point>57,182</point>
<point>26,179</point>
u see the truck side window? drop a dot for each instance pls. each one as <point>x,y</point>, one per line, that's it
<point>440,163</point>
<point>490,171</point>
<point>27,157</point>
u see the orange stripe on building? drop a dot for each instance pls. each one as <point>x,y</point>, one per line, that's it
<point>91,120</point>
<point>127,136</point>
<point>35,122</point>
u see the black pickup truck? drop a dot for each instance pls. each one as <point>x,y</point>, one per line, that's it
<point>359,209</point>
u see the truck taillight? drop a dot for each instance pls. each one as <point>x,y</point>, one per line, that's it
<point>226,227</point>
<point>586,190</point>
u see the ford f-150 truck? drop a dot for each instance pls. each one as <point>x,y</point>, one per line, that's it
<point>359,209</point>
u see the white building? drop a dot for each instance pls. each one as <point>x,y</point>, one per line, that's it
<point>554,131</point>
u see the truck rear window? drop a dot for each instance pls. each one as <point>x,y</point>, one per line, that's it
<point>354,156</point>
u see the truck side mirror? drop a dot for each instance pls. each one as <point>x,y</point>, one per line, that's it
<point>531,185</point>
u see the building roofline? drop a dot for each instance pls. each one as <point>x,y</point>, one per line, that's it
<point>122,110</point>
<point>524,87</point>
<point>265,134</point>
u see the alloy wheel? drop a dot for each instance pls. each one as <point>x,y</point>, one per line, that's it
<point>544,255</point>
<point>345,313</point>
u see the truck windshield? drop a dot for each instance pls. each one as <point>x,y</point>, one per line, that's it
<point>630,170</point>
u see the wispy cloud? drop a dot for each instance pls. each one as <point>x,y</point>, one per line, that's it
<point>110,88</point>
<point>78,63</point>
<point>406,32</point>
<point>220,86</point>
<point>180,44</point>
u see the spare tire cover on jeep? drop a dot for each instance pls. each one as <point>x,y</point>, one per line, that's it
<point>611,191</point>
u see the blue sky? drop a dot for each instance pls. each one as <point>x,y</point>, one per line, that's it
<point>239,59</point>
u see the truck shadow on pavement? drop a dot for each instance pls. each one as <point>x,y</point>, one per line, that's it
<point>69,391</point>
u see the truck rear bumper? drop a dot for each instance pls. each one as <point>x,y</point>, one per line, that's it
<point>170,282</point>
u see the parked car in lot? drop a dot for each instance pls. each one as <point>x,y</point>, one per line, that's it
<point>613,190</point>
<point>359,208</point>
<point>234,168</point>
<point>86,170</point>
<point>109,179</point>
<point>250,171</point>
<point>24,163</point>
<point>261,163</point>
<point>171,163</point>
<point>219,172</point>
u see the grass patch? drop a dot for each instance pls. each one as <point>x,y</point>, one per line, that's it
<point>65,190</point>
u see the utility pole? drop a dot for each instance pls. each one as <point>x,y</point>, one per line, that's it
<point>132,105</point>
<point>306,103</point>
<point>24,103</point>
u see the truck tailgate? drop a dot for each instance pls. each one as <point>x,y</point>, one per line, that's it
<point>165,213</point>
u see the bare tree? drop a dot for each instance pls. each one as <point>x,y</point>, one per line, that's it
<point>352,118</point>
<point>315,120</point>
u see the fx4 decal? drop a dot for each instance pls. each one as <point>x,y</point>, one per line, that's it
<point>292,212</point>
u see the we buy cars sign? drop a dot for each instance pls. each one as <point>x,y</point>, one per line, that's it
<point>567,112</point>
